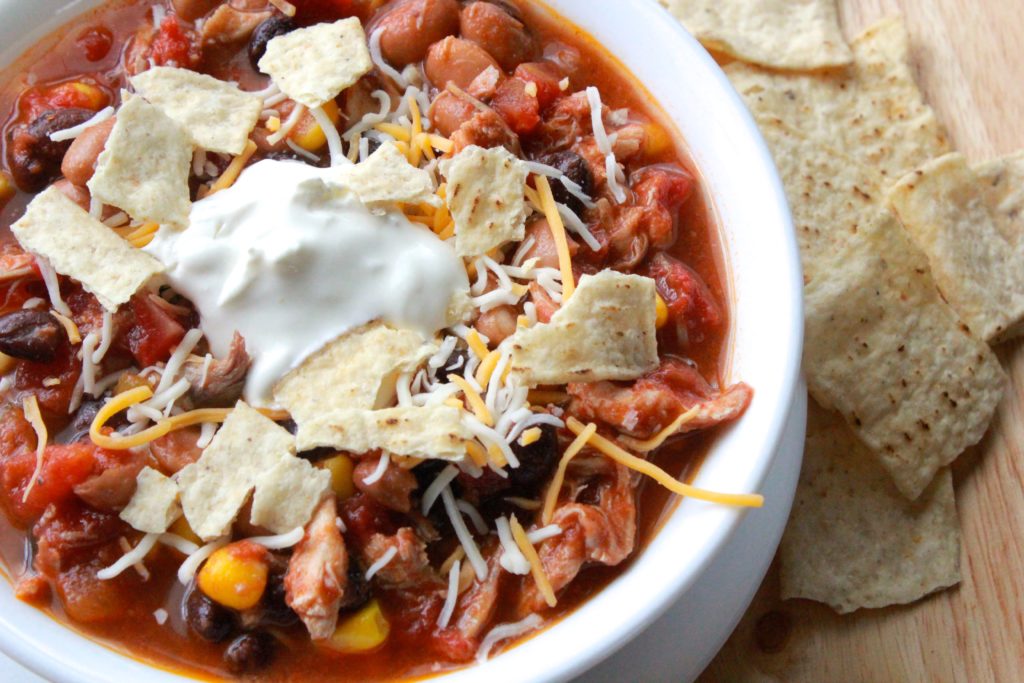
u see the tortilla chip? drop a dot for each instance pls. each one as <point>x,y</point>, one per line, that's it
<point>145,166</point>
<point>873,111</point>
<point>886,352</point>
<point>853,541</point>
<point>1001,184</point>
<point>217,115</point>
<point>486,195</point>
<point>313,65</point>
<point>387,177</point>
<point>432,431</point>
<point>154,506</point>
<point>979,272</point>
<point>357,370</point>
<point>287,494</point>
<point>215,487</point>
<point>79,246</point>
<point>783,34</point>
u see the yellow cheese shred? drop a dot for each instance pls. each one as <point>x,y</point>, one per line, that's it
<point>530,436</point>
<point>142,235</point>
<point>536,568</point>
<point>476,402</point>
<point>547,201</point>
<point>476,453</point>
<point>441,144</point>
<point>74,336</point>
<point>648,445</point>
<point>30,406</point>
<point>415,139</point>
<point>496,456</point>
<point>542,398</point>
<point>231,173</point>
<point>659,475</point>
<point>486,369</point>
<point>551,497</point>
<point>394,130</point>
<point>127,399</point>
<point>477,344</point>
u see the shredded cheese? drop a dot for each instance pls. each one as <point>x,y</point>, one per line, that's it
<point>456,555</point>
<point>52,286</point>
<point>504,631</point>
<point>551,497</point>
<point>231,173</point>
<point>536,568</point>
<point>188,568</point>
<point>655,442</point>
<point>604,143</point>
<point>530,436</point>
<point>130,558</point>
<point>31,408</point>
<point>651,470</point>
<point>74,336</point>
<point>74,131</point>
<point>287,8</point>
<point>453,595</point>
<point>476,343</point>
<point>381,562</point>
<point>465,538</point>
<point>544,533</point>
<point>547,201</point>
<point>442,480</point>
<point>330,132</point>
<point>476,402</point>
<point>279,541</point>
<point>378,472</point>
<point>512,559</point>
<point>486,369</point>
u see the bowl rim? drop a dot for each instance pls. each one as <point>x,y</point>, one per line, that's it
<point>23,633</point>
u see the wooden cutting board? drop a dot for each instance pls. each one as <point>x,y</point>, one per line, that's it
<point>969,59</point>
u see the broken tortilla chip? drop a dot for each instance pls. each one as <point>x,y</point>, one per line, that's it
<point>853,541</point>
<point>782,34</point>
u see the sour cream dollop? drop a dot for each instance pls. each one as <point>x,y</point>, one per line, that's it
<point>292,261</point>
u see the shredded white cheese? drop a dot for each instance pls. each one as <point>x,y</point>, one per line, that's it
<point>465,538</point>
<point>441,481</point>
<point>131,558</point>
<point>512,558</point>
<point>604,144</point>
<point>334,147</point>
<point>74,131</point>
<point>381,562</point>
<point>378,473</point>
<point>504,631</point>
<point>378,60</point>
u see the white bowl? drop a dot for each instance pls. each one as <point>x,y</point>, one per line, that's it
<point>764,268</point>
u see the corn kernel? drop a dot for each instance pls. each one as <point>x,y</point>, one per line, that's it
<point>6,363</point>
<point>129,381</point>
<point>661,312</point>
<point>97,99</point>
<point>7,188</point>
<point>340,466</point>
<point>308,134</point>
<point>182,528</point>
<point>656,140</point>
<point>235,575</point>
<point>366,630</point>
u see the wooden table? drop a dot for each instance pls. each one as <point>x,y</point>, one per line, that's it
<point>969,56</point>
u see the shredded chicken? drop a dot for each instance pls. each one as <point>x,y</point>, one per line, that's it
<point>317,573</point>
<point>486,129</point>
<point>409,567</point>
<point>654,400</point>
<point>222,383</point>
<point>394,489</point>
<point>230,26</point>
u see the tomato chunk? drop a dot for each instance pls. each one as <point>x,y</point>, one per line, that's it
<point>689,300</point>
<point>95,42</point>
<point>545,76</point>
<point>155,332</point>
<point>172,45</point>
<point>520,110</point>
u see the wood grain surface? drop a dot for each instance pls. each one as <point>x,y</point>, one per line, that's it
<point>969,60</point>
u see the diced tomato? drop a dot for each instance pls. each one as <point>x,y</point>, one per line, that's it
<point>71,95</point>
<point>173,45</point>
<point>546,77</point>
<point>95,42</point>
<point>155,333</point>
<point>689,300</point>
<point>520,110</point>
<point>53,400</point>
<point>666,184</point>
<point>315,11</point>
<point>365,517</point>
<point>69,533</point>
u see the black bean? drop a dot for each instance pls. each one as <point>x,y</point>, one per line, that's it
<point>456,361</point>
<point>576,169</point>
<point>31,335</point>
<point>288,155</point>
<point>357,592</point>
<point>34,159</point>
<point>276,611</point>
<point>249,652</point>
<point>536,462</point>
<point>209,620</point>
<point>271,28</point>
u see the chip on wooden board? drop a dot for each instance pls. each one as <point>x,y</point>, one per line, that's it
<point>853,541</point>
<point>357,370</point>
<point>486,195</point>
<point>387,177</point>
<point>1001,183</point>
<point>978,270</point>
<point>287,494</point>
<point>872,111</point>
<point>606,331</point>
<point>215,487</point>
<point>782,34</point>
<point>313,65</point>
<point>884,350</point>
<point>81,247</point>
<point>145,166</point>
<point>429,432</point>
<point>217,115</point>
<point>154,505</point>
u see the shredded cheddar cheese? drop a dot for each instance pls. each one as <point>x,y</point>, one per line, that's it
<point>536,568</point>
<point>476,402</point>
<point>660,312</point>
<point>496,456</point>
<point>231,173</point>
<point>477,344</point>
<point>486,369</point>
<point>31,408</point>
<point>74,336</point>
<point>659,475</point>
<point>551,497</point>
<point>547,201</point>
<point>142,235</point>
<point>530,436</point>
<point>476,453</point>
<point>648,445</point>
<point>394,130</point>
<point>542,397</point>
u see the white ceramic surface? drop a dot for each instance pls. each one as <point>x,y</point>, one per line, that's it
<point>762,258</point>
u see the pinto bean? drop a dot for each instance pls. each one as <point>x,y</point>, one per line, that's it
<point>190,10</point>
<point>76,193</point>
<point>457,61</point>
<point>448,112</point>
<point>494,28</point>
<point>411,26</point>
<point>80,160</point>
<point>31,335</point>
<point>498,323</point>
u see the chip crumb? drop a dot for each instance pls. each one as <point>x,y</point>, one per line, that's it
<point>287,494</point>
<point>154,505</point>
<point>387,177</point>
